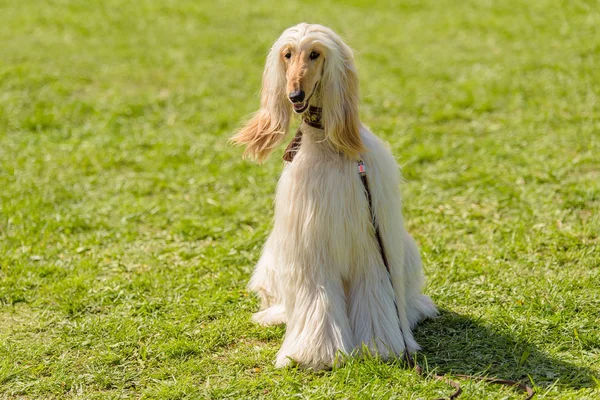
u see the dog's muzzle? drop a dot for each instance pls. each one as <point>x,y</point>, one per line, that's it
<point>299,102</point>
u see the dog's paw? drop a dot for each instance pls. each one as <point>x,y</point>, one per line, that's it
<point>274,315</point>
<point>325,357</point>
<point>283,361</point>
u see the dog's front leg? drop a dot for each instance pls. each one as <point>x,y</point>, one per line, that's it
<point>318,329</point>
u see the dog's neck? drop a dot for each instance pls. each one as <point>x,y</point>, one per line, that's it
<point>314,115</point>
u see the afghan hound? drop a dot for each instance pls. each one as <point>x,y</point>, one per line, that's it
<point>323,271</point>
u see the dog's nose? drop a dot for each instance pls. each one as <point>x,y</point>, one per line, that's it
<point>297,96</point>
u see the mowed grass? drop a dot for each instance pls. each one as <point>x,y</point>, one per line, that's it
<point>129,228</point>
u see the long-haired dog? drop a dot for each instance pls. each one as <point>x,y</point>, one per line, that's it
<point>321,271</point>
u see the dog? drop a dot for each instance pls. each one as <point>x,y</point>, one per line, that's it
<point>322,271</point>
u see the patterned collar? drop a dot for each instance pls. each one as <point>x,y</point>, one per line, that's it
<point>313,117</point>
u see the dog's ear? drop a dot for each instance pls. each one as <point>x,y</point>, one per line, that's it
<point>340,100</point>
<point>269,125</point>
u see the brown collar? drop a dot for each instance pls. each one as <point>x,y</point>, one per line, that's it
<point>313,117</point>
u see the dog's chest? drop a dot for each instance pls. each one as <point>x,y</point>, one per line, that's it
<point>321,204</point>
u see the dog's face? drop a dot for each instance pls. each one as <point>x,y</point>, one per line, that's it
<point>303,72</point>
<point>308,64</point>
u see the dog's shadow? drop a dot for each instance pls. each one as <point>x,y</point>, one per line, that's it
<point>453,343</point>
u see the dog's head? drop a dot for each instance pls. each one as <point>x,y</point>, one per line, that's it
<point>307,64</point>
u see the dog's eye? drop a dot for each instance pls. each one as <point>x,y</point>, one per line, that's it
<point>314,55</point>
<point>288,55</point>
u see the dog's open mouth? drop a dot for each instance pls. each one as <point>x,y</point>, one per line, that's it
<point>300,107</point>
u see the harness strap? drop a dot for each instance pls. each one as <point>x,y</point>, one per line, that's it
<point>293,147</point>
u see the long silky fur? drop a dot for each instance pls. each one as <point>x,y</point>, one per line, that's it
<point>269,125</point>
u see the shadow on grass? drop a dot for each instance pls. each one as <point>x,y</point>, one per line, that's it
<point>454,343</point>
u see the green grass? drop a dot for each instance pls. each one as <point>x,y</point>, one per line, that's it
<point>128,227</point>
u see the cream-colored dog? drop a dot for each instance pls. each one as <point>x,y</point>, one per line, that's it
<point>321,271</point>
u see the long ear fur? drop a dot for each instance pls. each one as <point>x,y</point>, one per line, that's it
<point>269,125</point>
<point>340,99</point>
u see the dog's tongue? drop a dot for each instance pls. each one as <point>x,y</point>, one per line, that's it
<point>298,106</point>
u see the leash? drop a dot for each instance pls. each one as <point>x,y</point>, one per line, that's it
<point>362,171</point>
<point>313,118</point>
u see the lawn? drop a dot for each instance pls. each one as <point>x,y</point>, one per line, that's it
<point>129,227</point>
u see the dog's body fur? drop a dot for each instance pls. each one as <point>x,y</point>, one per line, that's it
<point>321,271</point>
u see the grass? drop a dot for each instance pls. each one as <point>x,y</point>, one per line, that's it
<point>128,227</point>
